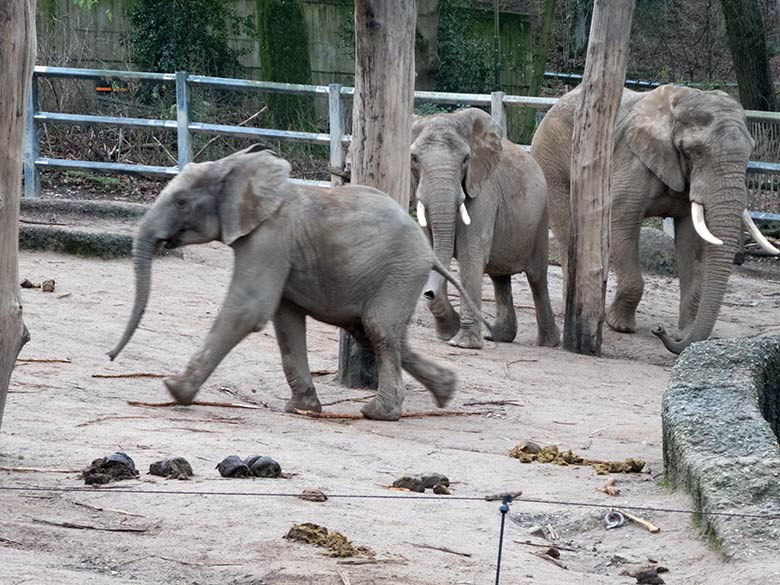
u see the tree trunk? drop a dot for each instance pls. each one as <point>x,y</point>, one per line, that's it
<point>591,162</point>
<point>747,41</point>
<point>381,126</point>
<point>17,57</point>
<point>426,46</point>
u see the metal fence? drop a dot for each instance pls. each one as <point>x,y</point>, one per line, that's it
<point>336,139</point>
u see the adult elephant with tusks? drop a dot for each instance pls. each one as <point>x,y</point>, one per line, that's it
<point>481,199</point>
<point>299,251</point>
<point>681,153</point>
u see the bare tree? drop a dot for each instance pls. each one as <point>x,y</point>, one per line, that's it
<point>747,41</point>
<point>591,162</point>
<point>381,126</point>
<point>17,57</point>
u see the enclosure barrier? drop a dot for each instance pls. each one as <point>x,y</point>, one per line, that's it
<point>335,139</point>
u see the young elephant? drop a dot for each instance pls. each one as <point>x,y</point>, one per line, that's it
<point>481,199</point>
<point>347,256</point>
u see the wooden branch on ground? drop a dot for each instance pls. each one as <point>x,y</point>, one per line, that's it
<point>101,509</point>
<point>44,361</point>
<point>131,375</point>
<point>493,403</point>
<point>545,545</point>
<point>195,403</point>
<point>80,526</point>
<point>442,549</point>
<point>350,416</point>
<point>356,399</point>
<point>38,469</point>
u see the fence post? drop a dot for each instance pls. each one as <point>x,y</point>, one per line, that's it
<point>183,115</point>
<point>31,175</point>
<point>497,109</point>
<point>668,224</point>
<point>336,129</point>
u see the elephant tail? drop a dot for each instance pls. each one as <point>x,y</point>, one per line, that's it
<point>441,269</point>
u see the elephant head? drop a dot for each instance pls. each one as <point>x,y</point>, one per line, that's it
<point>221,200</point>
<point>697,141</point>
<point>452,157</point>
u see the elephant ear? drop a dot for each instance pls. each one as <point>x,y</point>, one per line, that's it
<point>253,190</point>
<point>649,132</point>
<point>418,125</point>
<point>484,136</point>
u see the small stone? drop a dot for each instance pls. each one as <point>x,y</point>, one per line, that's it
<point>27,284</point>
<point>536,531</point>
<point>553,552</point>
<point>233,466</point>
<point>48,285</point>
<point>263,466</point>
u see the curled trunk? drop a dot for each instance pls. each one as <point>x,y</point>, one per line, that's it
<point>441,218</point>
<point>144,248</point>
<point>723,205</point>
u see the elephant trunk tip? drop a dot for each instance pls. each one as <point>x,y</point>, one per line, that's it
<point>429,294</point>
<point>675,346</point>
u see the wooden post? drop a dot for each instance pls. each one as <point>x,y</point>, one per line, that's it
<point>381,127</point>
<point>17,56</point>
<point>591,162</point>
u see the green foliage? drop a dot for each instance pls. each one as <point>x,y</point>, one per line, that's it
<point>284,57</point>
<point>183,35</point>
<point>464,56</point>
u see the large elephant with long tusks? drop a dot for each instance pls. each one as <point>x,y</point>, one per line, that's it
<point>481,199</point>
<point>680,153</point>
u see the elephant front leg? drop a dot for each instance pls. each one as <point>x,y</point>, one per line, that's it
<point>290,327</point>
<point>471,268</point>
<point>505,326</point>
<point>446,319</point>
<point>690,260</point>
<point>621,314</point>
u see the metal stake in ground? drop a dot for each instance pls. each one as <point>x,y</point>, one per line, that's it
<point>503,508</point>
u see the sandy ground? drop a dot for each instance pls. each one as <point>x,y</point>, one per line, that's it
<point>59,416</point>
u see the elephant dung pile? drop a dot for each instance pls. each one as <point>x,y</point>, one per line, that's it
<point>419,483</point>
<point>337,544</point>
<point>254,466</point>
<point>172,468</point>
<point>115,467</point>
<point>528,451</point>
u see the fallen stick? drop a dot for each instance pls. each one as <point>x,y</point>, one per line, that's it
<point>493,403</point>
<point>9,541</point>
<point>344,577</point>
<point>79,526</point>
<point>39,469</point>
<point>196,403</point>
<point>111,417</point>
<point>547,557</point>
<point>133,375</point>
<point>371,562</point>
<point>350,416</point>
<point>442,549</point>
<point>543,545</point>
<point>101,509</point>
<point>44,361</point>
<point>522,360</point>
<point>357,399</point>
<point>652,528</point>
<point>322,372</point>
<point>33,222</point>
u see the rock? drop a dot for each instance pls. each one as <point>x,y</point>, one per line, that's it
<point>263,466</point>
<point>48,285</point>
<point>115,467</point>
<point>233,466</point>
<point>27,284</point>
<point>172,468</point>
<point>313,496</point>
<point>441,489</point>
<point>657,254</point>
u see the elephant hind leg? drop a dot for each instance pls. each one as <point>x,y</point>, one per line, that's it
<point>505,326</point>
<point>441,382</point>
<point>548,334</point>
<point>385,328</point>
<point>290,327</point>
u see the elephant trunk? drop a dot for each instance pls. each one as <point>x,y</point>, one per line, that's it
<point>441,218</point>
<point>144,247</point>
<point>723,206</point>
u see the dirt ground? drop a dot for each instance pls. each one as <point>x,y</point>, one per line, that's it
<point>59,416</point>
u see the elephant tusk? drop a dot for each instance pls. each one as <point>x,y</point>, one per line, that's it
<point>756,234</point>
<point>697,211</point>
<point>464,214</point>
<point>421,214</point>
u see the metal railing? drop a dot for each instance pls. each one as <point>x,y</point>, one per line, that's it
<point>336,139</point>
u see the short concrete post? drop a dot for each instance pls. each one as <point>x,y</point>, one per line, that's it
<point>336,128</point>
<point>497,110</point>
<point>183,115</point>
<point>32,186</point>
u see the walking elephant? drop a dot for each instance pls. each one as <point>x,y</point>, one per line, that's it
<point>681,153</point>
<point>481,199</point>
<point>347,256</point>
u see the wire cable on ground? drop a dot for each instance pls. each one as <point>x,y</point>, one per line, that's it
<point>418,497</point>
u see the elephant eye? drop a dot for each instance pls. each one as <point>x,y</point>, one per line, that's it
<point>415,160</point>
<point>180,203</point>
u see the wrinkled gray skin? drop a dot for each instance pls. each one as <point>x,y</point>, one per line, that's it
<point>673,146</point>
<point>347,256</point>
<point>461,158</point>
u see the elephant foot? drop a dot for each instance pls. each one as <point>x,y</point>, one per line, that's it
<point>182,390</point>
<point>550,337</point>
<point>468,339</point>
<point>620,322</point>
<point>307,401</point>
<point>379,409</point>
<point>443,387</point>
<point>501,333</point>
